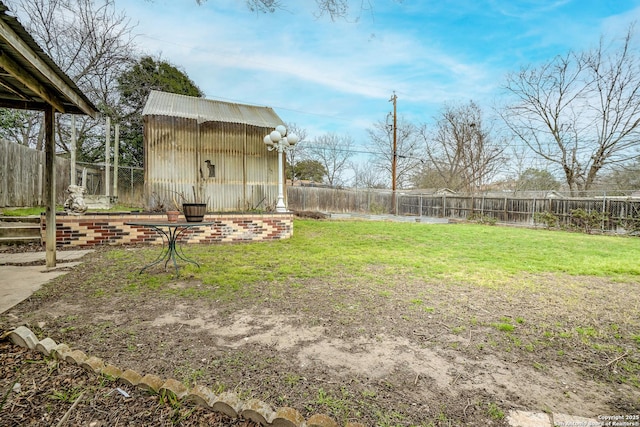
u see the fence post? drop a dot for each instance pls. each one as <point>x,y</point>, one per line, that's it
<point>40,175</point>
<point>73,174</point>
<point>394,201</point>
<point>444,206</point>
<point>604,206</point>
<point>473,207</point>
<point>533,212</point>
<point>506,212</point>
<point>116,148</point>
<point>107,162</point>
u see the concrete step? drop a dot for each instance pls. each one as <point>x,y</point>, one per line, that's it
<point>19,240</point>
<point>19,230</point>
<point>16,230</point>
<point>33,219</point>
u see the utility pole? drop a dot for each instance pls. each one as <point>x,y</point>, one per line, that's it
<point>394,99</point>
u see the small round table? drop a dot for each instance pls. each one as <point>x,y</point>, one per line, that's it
<point>171,232</point>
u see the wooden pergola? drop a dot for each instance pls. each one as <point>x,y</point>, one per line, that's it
<point>31,80</point>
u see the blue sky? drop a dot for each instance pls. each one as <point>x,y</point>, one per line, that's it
<point>338,76</point>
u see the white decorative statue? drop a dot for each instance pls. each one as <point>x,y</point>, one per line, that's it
<point>74,205</point>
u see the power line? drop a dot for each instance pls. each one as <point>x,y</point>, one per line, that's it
<point>337,118</point>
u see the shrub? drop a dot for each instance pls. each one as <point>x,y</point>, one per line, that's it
<point>482,219</point>
<point>631,225</point>
<point>377,208</point>
<point>587,221</point>
<point>547,218</point>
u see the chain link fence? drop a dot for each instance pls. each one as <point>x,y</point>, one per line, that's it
<point>126,183</point>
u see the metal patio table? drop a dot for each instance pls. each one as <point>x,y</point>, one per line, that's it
<point>170,232</point>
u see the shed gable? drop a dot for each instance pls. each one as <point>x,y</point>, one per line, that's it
<point>209,110</point>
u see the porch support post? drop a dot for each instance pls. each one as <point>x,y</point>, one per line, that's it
<point>50,185</point>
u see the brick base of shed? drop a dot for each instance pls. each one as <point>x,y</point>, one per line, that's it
<point>110,229</point>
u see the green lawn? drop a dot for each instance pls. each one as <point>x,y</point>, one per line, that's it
<point>547,302</point>
<point>469,253</point>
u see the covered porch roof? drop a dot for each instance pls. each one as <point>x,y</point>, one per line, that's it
<point>31,80</point>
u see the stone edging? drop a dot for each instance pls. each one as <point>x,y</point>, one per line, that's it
<point>227,403</point>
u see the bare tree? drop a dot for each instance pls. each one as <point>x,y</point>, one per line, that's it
<point>623,177</point>
<point>364,176</point>
<point>91,42</point>
<point>580,111</point>
<point>296,153</point>
<point>462,150</point>
<point>409,148</point>
<point>533,179</point>
<point>333,152</point>
<point>520,157</point>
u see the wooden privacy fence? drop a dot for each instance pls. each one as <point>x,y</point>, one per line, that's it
<point>337,200</point>
<point>22,184</point>
<point>617,214</point>
<point>22,176</point>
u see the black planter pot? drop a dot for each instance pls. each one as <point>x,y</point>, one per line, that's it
<point>194,212</point>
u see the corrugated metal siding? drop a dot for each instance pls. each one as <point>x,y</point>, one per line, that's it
<point>224,142</point>
<point>261,167</point>
<point>176,150</point>
<point>206,110</point>
<point>171,168</point>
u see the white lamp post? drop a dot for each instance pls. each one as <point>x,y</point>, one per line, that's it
<point>279,140</point>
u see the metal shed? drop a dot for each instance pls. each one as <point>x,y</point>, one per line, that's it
<point>208,150</point>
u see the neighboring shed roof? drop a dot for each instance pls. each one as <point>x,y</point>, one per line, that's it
<point>29,79</point>
<point>430,191</point>
<point>208,110</point>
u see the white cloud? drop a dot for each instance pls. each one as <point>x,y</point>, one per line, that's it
<point>338,76</point>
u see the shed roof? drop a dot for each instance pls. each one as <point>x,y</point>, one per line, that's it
<point>209,110</point>
<point>29,78</point>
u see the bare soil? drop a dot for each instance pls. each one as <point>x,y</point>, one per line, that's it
<point>355,354</point>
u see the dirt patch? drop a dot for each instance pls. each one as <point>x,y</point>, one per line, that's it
<point>310,214</point>
<point>358,353</point>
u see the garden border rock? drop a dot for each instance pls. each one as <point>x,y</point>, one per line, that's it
<point>227,403</point>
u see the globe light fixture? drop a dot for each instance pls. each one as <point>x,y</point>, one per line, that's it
<point>279,140</point>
